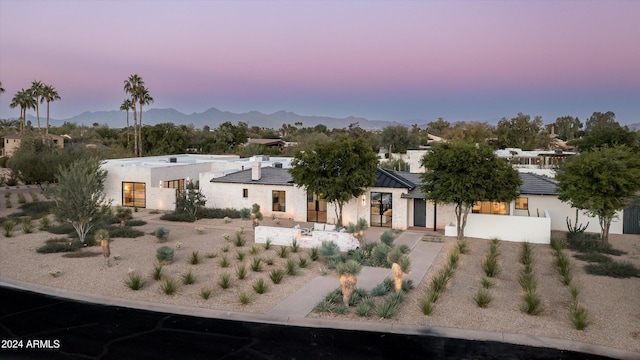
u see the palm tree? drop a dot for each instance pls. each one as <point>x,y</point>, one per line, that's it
<point>130,87</point>
<point>24,99</point>
<point>143,99</point>
<point>36,90</point>
<point>1,88</point>
<point>49,94</point>
<point>127,105</point>
<point>7,125</point>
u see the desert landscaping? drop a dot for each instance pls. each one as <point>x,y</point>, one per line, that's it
<point>612,303</point>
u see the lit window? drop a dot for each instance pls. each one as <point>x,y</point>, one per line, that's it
<point>245,193</point>
<point>491,207</point>
<point>134,194</point>
<point>279,200</point>
<point>522,203</point>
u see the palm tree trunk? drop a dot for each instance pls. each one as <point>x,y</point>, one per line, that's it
<point>135,130</point>
<point>128,130</point>
<point>38,117</point>
<point>140,134</point>
<point>47,130</point>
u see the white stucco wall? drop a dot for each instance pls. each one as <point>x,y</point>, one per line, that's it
<point>510,228</point>
<point>285,237</point>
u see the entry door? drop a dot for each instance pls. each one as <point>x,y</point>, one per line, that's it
<point>631,220</point>
<point>420,212</point>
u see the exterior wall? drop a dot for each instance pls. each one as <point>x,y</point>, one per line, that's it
<point>413,158</point>
<point>356,209</point>
<point>511,228</point>
<point>559,211</point>
<point>12,142</point>
<point>115,177</point>
<point>229,195</point>
<point>285,236</point>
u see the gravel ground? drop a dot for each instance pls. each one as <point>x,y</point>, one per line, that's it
<point>614,304</point>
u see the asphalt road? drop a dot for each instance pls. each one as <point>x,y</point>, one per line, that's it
<point>75,330</point>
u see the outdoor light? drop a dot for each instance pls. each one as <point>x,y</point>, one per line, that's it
<point>364,200</point>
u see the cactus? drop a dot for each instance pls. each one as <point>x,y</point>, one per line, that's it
<point>575,228</point>
<point>162,233</point>
<point>164,255</point>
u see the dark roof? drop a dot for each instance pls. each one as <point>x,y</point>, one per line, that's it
<point>533,184</point>
<point>391,179</point>
<point>269,176</point>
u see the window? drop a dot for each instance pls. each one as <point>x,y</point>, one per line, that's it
<point>134,194</point>
<point>174,184</point>
<point>316,209</point>
<point>522,203</point>
<point>279,200</point>
<point>245,193</point>
<point>381,209</point>
<point>491,207</point>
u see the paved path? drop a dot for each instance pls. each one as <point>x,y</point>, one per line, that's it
<point>302,302</point>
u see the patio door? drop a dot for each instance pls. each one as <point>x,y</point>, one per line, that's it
<point>420,212</point>
<point>381,209</point>
<point>316,209</point>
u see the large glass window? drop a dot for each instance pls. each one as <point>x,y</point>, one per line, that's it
<point>316,209</point>
<point>134,194</point>
<point>522,203</point>
<point>174,184</point>
<point>279,200</point>
<point>491,207</point>
<point>381,209</point>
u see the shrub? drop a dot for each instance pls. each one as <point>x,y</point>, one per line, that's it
<point>256,264</point>
<point>302,262</point>
<point>156,274</point>
<point>267,244</point>
<point>575,291</point>
<point>295,246</point>
<point>210,255</point>
<point>333,296</point>
<point>224,261</point>
<point>244,298</point>
<point>135,222</point>
<point>526,256</point>
<point>291,267</point>
<point>62,229</point>
<point>183,217</point>
<point>350,267</point>
<point>269,261</point>
<point>123,214</point>
<point>379,254</point>
<point>483,297</point>
<point>616,269</point>
<point>276,275</point>
<point>394,255</point>
<point>313,254</point>
<point>283,252</point>
<point>34,196</point>
<point>240,239</point>
<point>164,254</point>
<point>528,282</point>
<point>324,306</point>
<point>260,286</point>
<point>342,309</point>
<point>134,281</point>
<point>195,258</point>
<point>125,232</point>
<point>45,222</point>
<point>364,309</point>
<point>593,257</point>
<point>225,249</point>
<point>532,304</point>
<point>37,209</point>
<point>407,284</point>
<point>329,250</point>
<point>217,213</point>
<point>387,238</point>
<point>21,198</point>
<point>188,278</point>
<point>205,293</point>
<point>245,213</point>
<point>490,266</point>
<point>162,233</point>
<point>379,290</point>
<point>388,308</point>
<point>487,283</point>
<point>254,250</point>
<point>169,286</point>
<point>425,305</point>
<point>8,226</point>
<point>224,280</point>
<point>27,226</point>
<point>8,204</point>
<point>59,245</point>
<point>240,255</point>
<point>579,317</point>
<point>241,271</point>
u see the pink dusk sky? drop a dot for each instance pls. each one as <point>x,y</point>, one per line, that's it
<point>383,60</point>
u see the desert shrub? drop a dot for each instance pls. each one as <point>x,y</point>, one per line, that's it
<point>295,246</point>
<point>528,281</point>
<point>188,278</point>
<point>21,198</point>
<point>37,209</point>
<point>586,242</point>
<point>224,262</point>
<point>593,257</point>
<point>134,281</point>
<point>244,298</point>
<point>426,305</point>
<point>245,213</point>
<point>483,297</point>
<point>195,258</point>
<point>241,271</point>
<point>8,204</point>
<point>329,250</point>
<point>7,227</point>
<point>124,232</point>
<point>487,283</point>
<point>216,213</point>
<point>342,309</point>
<point>240,255</point>
<point>62,229</point>
<point>324,306</point>
<point>364,309</point>
<point>276,275</point>
<point>59,245</point>
<point>579,317</point>
<point>291,267</point>
<point>156,274</point>
<point>532,303</point>
<point>205,293</point>
<point>162,233</point>
<point>182,217</point>
<point>387,238</point>
<point>313,254</point>
<point>135,222</point>
<point>254,250</point>
<point>27,226</point>
<point>525,255</point>
<point>394,255</point>
<point>302,262</point>
<point>239,240</point>
<point>380,290</point>
<point>616,269</point>
<point>269,261</point>
<point>44,222</point>
<point>267,244</point>
<point>169,286</point>
<point>224,280</point>
<point>164,254</point>
<point>379,254</point>
<point>490,265</point>
<point>283,252</point>
<point>260,286</point>
<point>407,284</point>
<point>388,308</point>
<point>256,264</point>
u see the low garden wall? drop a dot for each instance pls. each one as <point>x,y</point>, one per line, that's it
<point>285,236</point>
<point>510,228</point>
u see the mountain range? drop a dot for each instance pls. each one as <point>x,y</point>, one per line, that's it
<point>214,117</point>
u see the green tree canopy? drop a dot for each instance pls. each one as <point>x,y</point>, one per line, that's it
<point>602,129</point>
<point>79,196</point>
<point>601,182</point>
<point>521,132</point>
<point>337,171</point>
<point>398,139</point>
<point>463,174</point>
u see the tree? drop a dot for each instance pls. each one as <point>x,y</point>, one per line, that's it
<point>603,130</point>
<point>36,91</point>
<point>567,127</point>
<point>463,174</point>
<point>49,94</point>
<point>127,105</point>
<point>438,127</point>
<point>32,161</point>
<point>398,139</point>
<point>79,196</point>
<point>24,99</point>
<point>600,182</point>
<point>521,132</point>
<point>142,94</point>
<point>190,200</point>
<point>131,88</point>
<point>337,171</point>
<point>599,120</point>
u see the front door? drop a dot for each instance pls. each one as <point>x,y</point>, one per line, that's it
<point>420,212</point>
<point>316,209</point>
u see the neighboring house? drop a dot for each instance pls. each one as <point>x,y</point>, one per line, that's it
<point>279,143</point>
<point>12,141</point>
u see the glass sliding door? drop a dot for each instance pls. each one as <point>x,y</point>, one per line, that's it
<point>316,209</point>
<point>381,209</point>
<point>134,194</point>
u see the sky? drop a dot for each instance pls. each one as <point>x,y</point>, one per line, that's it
<point>409,61</point>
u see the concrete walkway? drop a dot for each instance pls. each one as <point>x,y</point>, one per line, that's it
<point>303,301</point>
